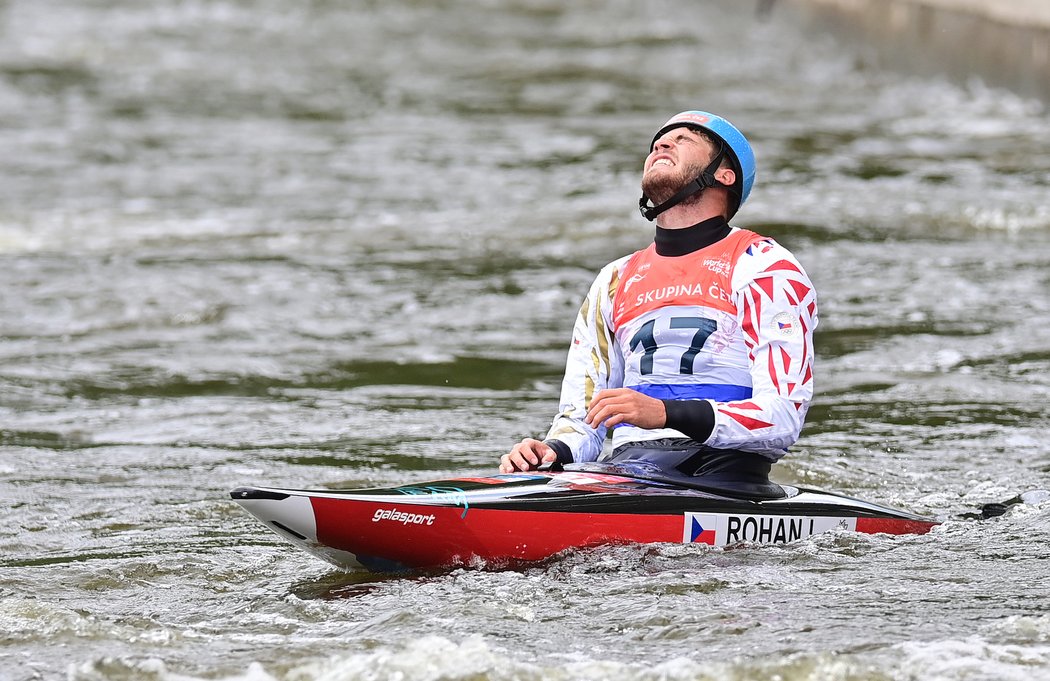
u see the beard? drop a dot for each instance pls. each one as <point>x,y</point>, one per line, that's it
<point>662,185</point>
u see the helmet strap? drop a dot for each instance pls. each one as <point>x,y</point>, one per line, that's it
<point>704,181</point>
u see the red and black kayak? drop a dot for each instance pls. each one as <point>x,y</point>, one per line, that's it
<point>510,519</point>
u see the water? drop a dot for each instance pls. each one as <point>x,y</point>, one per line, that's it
<point>342,244</point>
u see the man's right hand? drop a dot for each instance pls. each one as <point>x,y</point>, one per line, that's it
<point>527,455</point>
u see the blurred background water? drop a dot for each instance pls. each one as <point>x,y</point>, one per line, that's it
<point>342,243</point>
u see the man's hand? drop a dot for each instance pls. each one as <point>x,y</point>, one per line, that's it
<point>527,455</point>
<point>623,405</point>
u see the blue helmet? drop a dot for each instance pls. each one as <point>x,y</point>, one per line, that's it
<point>736,145</point>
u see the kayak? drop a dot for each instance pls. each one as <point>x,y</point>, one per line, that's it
<point>508,520</point>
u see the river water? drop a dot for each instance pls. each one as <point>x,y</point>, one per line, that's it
<point>337,244</point>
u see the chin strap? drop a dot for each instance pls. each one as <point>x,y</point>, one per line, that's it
<point>706,180</point>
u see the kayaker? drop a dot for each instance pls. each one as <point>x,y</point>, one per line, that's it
<point>698,350</point>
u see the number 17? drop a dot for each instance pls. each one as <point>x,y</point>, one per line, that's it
<point>644,337</point>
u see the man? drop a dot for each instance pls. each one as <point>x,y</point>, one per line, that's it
<point>698,350</point>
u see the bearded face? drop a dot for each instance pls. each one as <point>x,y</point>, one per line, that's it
<point>662,180</point>
<point>677,158</point>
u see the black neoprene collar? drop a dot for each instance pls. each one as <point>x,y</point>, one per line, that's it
<point>671,243</point>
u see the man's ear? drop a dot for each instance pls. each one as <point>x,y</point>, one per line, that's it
<point>726,176</point>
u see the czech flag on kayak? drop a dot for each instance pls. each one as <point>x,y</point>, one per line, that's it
<point>702,535</point>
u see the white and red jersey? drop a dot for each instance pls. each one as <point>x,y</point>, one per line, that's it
<point>731,323</point>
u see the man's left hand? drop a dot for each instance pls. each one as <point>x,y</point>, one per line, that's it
<point>623,405</point>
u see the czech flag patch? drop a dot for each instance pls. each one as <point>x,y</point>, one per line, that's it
<point>785,324</point>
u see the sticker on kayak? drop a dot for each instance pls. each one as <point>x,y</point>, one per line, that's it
<point>722,529</point>
<point>396,516</point>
